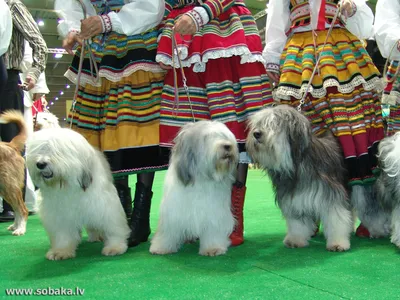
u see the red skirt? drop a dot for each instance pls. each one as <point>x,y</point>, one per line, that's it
<point>225,73</point>
<point>37,106</point>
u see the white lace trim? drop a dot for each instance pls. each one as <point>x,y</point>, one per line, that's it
<point>392,99</point>
<point>285,93</point>
<point>199,61</point>
<point>111,76</point>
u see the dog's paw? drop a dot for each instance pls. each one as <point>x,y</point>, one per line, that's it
<point>16,231</point>
<point>60,254</point>
<point>114,250</point>
<point>338,246</point>
<point>295,242</point>
<point>213,251</point>
<point>395,239</point>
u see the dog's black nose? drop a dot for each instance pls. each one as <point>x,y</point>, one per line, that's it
<point>227,147</point>
<point>257,134</point>
<point>41,165</point>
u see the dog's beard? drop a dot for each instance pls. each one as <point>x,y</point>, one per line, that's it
<point>224,166</point>
<point>46,174</point>
<point>225,162</point>
<point>48,178</point>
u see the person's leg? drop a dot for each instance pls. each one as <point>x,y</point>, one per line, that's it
<point>238,195</point>
<point>124,193</point>
<point>3,74</point>
<point>11,97</point>
<point>140,220</point>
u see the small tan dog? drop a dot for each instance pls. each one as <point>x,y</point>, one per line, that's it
<point>12,171</point>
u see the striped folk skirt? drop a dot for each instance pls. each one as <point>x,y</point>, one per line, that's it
<point>391,96</point>
<point>120,114</point>
<point>225,74</point>
<point>342,98</point>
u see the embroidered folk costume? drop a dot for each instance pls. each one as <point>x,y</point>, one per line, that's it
<point>387,35</point>
<point>343,95</point>
<point>226,78</point>
<point>118,109</point>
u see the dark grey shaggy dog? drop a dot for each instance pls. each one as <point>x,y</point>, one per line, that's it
<point>307,173</point>
<point>388,185</point>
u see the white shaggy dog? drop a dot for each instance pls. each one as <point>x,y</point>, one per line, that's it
<point>77,191</point>
<point>307,173</point>
<point>45,120</point>
<point>388,185</point>
<point>197,190</point>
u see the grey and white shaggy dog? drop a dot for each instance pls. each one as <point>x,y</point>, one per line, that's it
<point>307,173</point>
<point>388,185</point>
<point>196,201</point>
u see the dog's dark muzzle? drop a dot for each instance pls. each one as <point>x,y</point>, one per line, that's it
<point>45,172</point>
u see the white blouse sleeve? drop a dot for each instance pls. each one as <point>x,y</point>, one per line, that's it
<point>278,23</point>
<point>27,61</point>
<point>387,27</point>
<point>71,12</point>
<point>361,23</point>
<point>5,27</point>
<point>41,85</point>
<point>137,16</point>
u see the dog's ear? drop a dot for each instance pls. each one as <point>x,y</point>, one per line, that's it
<point>183,155</point>
<point>85,179</point>
<point>185,168</point>
<point>299,136</point>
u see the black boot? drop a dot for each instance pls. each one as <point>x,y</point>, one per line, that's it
<point>7,215</point>
<point>125,197</point>
<point>140,220</point>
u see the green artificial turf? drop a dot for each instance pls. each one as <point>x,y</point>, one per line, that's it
<point>262,268</point>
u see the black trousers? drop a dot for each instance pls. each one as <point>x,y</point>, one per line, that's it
<point>3,74</point>
<point>11,97</point>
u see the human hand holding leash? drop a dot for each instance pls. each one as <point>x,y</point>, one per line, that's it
<point>90,27</point>
<point>347,7</point>
<point>185,25</point>
<point>70,40</point>
<point>273,76</point>
<point>28,84</point>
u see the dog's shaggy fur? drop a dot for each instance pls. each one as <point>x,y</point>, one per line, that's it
<point>197,190</point>
<point>44,120</point>
<point>307,173</point>
<point>388,185</point>
<point>12,171</point>
<point>77,191</point>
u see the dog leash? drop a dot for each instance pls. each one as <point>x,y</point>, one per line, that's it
<point>184,80</point>
<point>337,14</point>
<point>92,62</point>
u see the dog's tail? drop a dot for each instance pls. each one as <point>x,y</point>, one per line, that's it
<point>14,116</point>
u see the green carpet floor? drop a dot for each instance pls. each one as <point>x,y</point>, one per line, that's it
<point>262,268</point>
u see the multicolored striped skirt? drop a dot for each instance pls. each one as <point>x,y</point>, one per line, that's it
<point>119,114</point>
<point>225,74</point>
<point>391,96</point>
<point>342,97</point>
